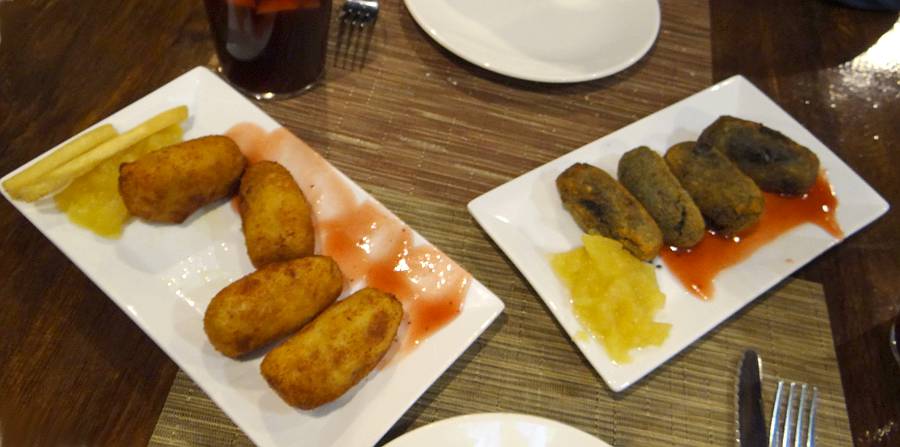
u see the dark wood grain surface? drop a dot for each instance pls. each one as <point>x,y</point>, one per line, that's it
<point>75,370</point>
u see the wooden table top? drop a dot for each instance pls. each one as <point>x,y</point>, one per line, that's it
<point>73,365</point>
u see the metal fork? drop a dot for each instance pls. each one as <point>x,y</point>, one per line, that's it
<point>790,430</point>
<point>359,12</point>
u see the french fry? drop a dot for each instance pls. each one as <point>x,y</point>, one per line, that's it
<point>82,164</point>
<point>83,143</point>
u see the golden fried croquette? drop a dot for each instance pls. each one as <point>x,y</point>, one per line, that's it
<point>168,185</point>
<point>729,200</point>
<point>277,218</point>
<point>775,162</point>
<point>600,205</point>
<point>335,351</point>
<point>271,303</point>
<point>645,174</point>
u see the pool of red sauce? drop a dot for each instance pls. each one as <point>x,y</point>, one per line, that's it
<point>698,266</point>
<point>371,246</point>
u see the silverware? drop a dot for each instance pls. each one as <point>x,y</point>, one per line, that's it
<point>359,12</point>
<point>895,335</point>
<point>355,35</point>
<point>751,420</point>
<point>790,430</point>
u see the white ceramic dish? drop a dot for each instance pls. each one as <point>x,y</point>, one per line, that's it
<point>543,40</point>
<point>497,430</point>
<point>163,276</point>
<point>526,219</point>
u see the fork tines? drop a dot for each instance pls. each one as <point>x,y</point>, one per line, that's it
<point>359,12</point>
<point>794,422</point>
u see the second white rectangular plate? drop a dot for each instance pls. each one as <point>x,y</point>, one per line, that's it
<point>526,219</point>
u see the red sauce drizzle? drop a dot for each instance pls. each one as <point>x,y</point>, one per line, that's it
<point>439,286</point>
<point>697,266</point>
<point>371,246</point>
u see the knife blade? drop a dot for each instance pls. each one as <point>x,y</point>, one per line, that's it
<point>751,420</point>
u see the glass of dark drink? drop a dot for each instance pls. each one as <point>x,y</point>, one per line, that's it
<point>270,48</point>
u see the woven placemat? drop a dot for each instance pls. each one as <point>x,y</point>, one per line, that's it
<point>528,365</point>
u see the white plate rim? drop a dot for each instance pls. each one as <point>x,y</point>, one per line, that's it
<point>413,7</point>
<point>425,430</point>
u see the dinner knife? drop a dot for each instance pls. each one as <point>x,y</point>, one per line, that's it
<point>751,420</point>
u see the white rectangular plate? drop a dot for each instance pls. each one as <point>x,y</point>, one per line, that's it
<point>526,218</point>
<point>163,276</point>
